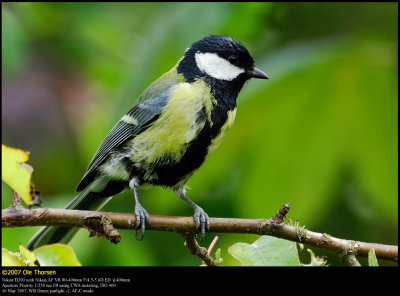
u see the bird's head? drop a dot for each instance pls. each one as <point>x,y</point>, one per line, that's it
<point>219,58</point>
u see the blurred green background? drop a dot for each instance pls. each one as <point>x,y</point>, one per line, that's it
<point>321,133</point>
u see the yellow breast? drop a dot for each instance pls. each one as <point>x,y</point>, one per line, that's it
<point>177,125</point>
<point>221,135</point>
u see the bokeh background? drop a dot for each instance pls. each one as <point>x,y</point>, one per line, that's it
<point>321,133</point>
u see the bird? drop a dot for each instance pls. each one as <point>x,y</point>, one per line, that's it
<point>172,129</point>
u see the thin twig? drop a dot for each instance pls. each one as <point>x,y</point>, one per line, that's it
<point>16,200</point>
<point>197,250</point>
<point>351,260</point>
<point>214,241</point>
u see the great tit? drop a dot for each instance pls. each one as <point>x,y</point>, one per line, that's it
<point>174,126</point>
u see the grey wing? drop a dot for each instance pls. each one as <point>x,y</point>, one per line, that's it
<point>138,119</point>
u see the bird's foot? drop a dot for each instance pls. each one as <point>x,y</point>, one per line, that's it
<point>142,217</point>
<point>201,221</point>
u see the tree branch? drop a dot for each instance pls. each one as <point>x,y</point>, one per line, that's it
<point>351,260</point>
<point>18,217</point>
<point>195,249</point>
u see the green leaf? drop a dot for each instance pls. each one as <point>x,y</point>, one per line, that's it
<point>15,172</point>
<point>10,259</point>
<point>218,257</point>
<point>56,255</point>
<point>372,261</point>
<point>266,251</point>
<point>28,255</point>
<point>315,261</point>
<point>48,255</point>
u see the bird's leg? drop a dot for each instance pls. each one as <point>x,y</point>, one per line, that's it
<point>141,214</point>
<point>201,219</point>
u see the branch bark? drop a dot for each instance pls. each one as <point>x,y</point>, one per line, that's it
<point>19,217</point>
<point>197,250</point>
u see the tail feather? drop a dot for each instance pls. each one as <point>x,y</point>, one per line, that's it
<point>85,200</point>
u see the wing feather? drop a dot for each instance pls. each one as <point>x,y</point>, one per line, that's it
<point>142,116</point>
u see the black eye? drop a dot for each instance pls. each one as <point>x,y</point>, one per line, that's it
<point>233,59</point>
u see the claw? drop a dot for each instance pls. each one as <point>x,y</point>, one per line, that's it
<point>142,217</point>
<point>201,221</point>
<point>137,236</point>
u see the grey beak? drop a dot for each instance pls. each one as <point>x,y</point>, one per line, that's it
<point>257,73</point>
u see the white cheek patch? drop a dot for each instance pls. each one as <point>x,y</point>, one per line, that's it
<point>217,67</point>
